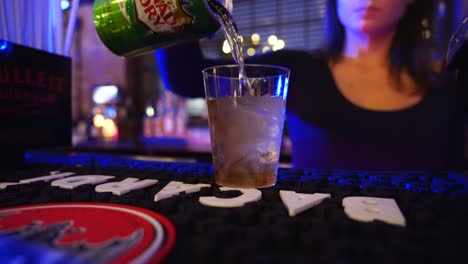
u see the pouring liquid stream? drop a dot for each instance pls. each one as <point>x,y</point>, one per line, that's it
<point>234,40</point>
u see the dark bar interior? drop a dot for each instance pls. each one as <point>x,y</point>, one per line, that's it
<point>126,139</point>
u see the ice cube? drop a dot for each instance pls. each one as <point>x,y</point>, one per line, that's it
<point>268,157</point>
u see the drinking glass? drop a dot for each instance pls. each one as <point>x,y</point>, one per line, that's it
<point>246,118</point>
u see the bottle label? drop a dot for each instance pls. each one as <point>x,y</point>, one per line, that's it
<point>132,27</point>
<point>163,15</point>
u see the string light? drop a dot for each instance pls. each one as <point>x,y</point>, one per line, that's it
<point>149,111</point>
<point>427,34</point>
<point>255,38</point>
<point>280,44</point>
<point>226,48</point>
<point>272,39</point>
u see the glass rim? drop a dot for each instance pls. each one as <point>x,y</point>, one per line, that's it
<point>287,71</point>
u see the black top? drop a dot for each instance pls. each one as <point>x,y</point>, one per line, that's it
<point>327,131</point>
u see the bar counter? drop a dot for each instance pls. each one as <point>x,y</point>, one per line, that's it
<point>434,205</point>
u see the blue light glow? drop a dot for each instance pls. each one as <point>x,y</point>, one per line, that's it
<point>454,185</point>
<point>27,156</point>
<point>65,4</point>
<point>110,112</point>
<point>286,84</point>
<point>5,48</point>
<point>160,58</point>
<point>3,45</point>
<point>279,86</point>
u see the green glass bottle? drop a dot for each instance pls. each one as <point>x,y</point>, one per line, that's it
<point>132,27</point>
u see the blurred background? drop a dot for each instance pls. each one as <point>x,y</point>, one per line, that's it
<point>121,104</point>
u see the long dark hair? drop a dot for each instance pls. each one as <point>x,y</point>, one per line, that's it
<point>410,50</point>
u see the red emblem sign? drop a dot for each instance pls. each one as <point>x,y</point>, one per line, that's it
<point>92,232</point>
